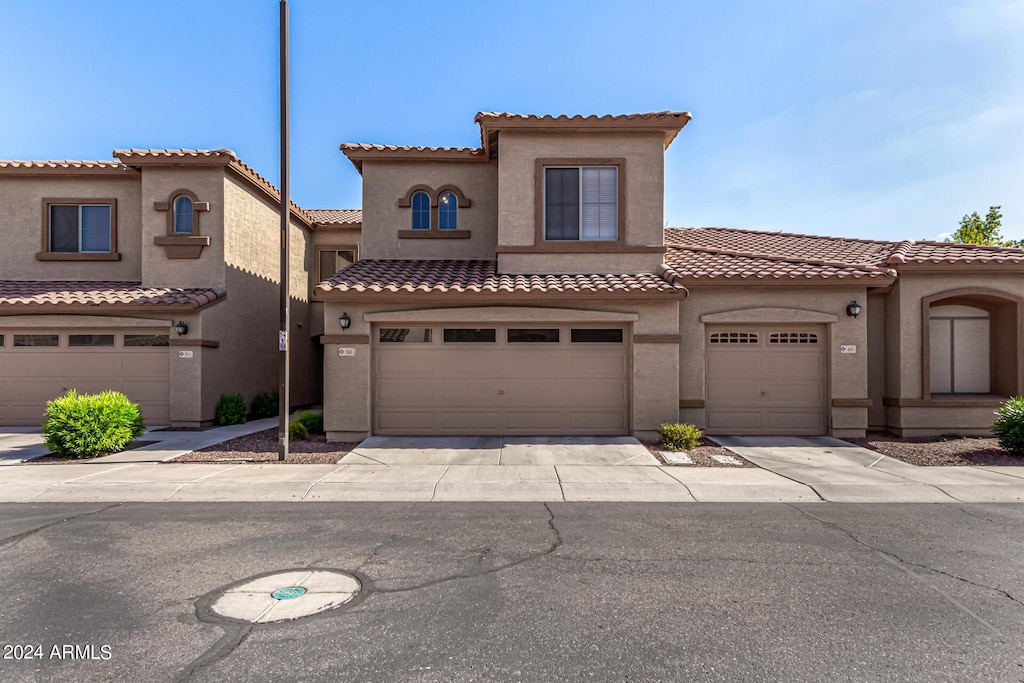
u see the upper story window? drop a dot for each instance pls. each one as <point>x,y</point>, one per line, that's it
<point>421,211</point>
<point>447,211</point>
<point>581,203</point>
<point>79,228</point>
<point>183,208</point>
<point>331,260</point>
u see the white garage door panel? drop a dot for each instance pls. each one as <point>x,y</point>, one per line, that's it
<point>29,377</point>
<point>757,385</point>
<point>501,388</point>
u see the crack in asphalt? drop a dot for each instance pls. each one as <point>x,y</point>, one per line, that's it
<point>555,545</point>
<point>902,563</point>
<point>221,649</point>
<point>376,549</point>
<point>18,538</point>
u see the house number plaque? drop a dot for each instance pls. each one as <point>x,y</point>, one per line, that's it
<point>186,354</point>
<point>346,351</point>
<point>847,348</point>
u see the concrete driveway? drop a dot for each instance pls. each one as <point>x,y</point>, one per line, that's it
<point>500,450</point>
<point>18,444</point>
<point>843,473</point>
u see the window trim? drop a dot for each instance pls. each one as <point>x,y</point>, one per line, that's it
<point>619,244</point>
<point>354,248</point>
<point>46,255</point>
<point>434,231</point>
<point>168,206</point>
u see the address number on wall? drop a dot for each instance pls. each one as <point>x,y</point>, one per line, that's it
<point>346,352</point>
<point>847,348</point>
<point>186,354</point>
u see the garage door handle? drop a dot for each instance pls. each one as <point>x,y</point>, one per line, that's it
<point>764,393</point>
<point>501,391</point>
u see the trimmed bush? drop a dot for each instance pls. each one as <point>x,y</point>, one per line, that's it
<point>679,437</point>
<point>297,431</point>
<point>230,409</point>
<point>1009,426</point>
<point>90,425</point>
<point>264,404</point>
<point>314,422</point>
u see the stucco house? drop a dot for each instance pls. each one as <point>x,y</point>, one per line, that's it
<point>155,274</point>
<point>527,286</point>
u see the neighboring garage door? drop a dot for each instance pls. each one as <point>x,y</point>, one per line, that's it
<point>39,364</point>
<point>766,380</point>
<point>461,379</point>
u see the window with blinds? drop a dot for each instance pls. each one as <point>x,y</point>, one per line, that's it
<point>581,203</point>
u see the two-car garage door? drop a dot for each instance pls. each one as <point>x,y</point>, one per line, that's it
<point>766,380</point>
<point>551,379</point>
<point>37,365</point>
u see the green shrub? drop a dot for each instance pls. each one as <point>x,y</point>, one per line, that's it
<point>314,422</point>
<point>90,425</point>
<point>297,431</point>
<point>230,409</point>
<point>679,437</point>
<point>264,404</point>
<point>1009,425</point>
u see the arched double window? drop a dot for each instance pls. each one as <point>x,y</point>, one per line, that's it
<point>183,208</point>
<point>421,211</point>
<point>448,211</point>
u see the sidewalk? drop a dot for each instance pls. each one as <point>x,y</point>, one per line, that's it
<point>795,471</point>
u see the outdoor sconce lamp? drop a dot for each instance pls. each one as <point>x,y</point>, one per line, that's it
<point>345,321</point>
<point>181,328</point>
<point>853,309</point>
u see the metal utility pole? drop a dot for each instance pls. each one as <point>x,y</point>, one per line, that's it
<point>283,345</point>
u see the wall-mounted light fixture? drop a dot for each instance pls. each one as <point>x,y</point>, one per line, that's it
<point>181,328</point>
<point>853,309</point>
<point>345,321</point>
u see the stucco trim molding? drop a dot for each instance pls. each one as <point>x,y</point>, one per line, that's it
<point>852,403</point>
<point>685,403</point>
<point>344,339</point>
<point>183,246</point>
<point>657,338</point>
<point>983,401</point>
<point>434,234</point>
<point>204,343</point>
<point>769,315</point>
<point>79,321</point>
<point>502,314</point>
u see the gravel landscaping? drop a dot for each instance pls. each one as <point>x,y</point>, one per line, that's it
<point>261,447</point>
<point>939,451</point>
<point>701,455</point>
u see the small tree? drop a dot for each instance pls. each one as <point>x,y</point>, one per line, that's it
<point>977,230</point>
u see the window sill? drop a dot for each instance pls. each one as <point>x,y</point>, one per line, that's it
<point>582,247</point>
<point>182,246</point>
<point>77,256</point>
<point>433,234</point>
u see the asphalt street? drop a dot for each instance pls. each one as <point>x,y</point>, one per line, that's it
<point>520,592</point>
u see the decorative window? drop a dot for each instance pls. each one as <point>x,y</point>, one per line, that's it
<point>37,340</point>
<point>581,203</point>
<point>532,335</point>
<point>1,340</point>
<point>959,348</point>
<point>90,340</point>
<point>733,338</point>
<point>332,261</point>
<point>410,335</point>
<point>596,336</point>
<point>146,340</point>
<point>469,335</point>
<point>183,215</point>
<point>421,211</point>
<point>792,338</point>
<point>79,228</point>
<point>447,210</point>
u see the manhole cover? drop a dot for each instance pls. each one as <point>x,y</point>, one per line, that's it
<point>286,595</point>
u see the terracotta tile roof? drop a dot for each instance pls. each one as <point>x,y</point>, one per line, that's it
<point>336,216</point>
<point>951,252</point>
<point>701,263</point>
<point>666,115</point>
<point>166,154</point>
<point>62,166</point>
<point>72,293</point>
<point>358,151</point>
<point>392,276</point>
<point>366,147</point>
<point>783,244</point>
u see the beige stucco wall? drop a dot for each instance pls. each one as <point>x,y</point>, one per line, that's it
<point>848,373</point>
<point>579,263</point>
<point>875,314</point>
<point>385,182</point>
<point>21,224</point>
<point>348,383</point>
<point>207,183</point>
<point>643,201</point>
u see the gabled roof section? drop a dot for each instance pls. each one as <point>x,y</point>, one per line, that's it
<point>223,157</point>
<point>670,122</point>
<point>99,296</point>
<point>339,217</point>
<point>65,167</point>
<point>380,278</point>
<point>357,152</point>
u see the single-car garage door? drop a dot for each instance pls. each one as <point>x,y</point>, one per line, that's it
<point>766,380</point>
<point>463,379</point>
<point>37,365</point>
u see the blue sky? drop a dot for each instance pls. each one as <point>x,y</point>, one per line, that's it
<point>861,118</point>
